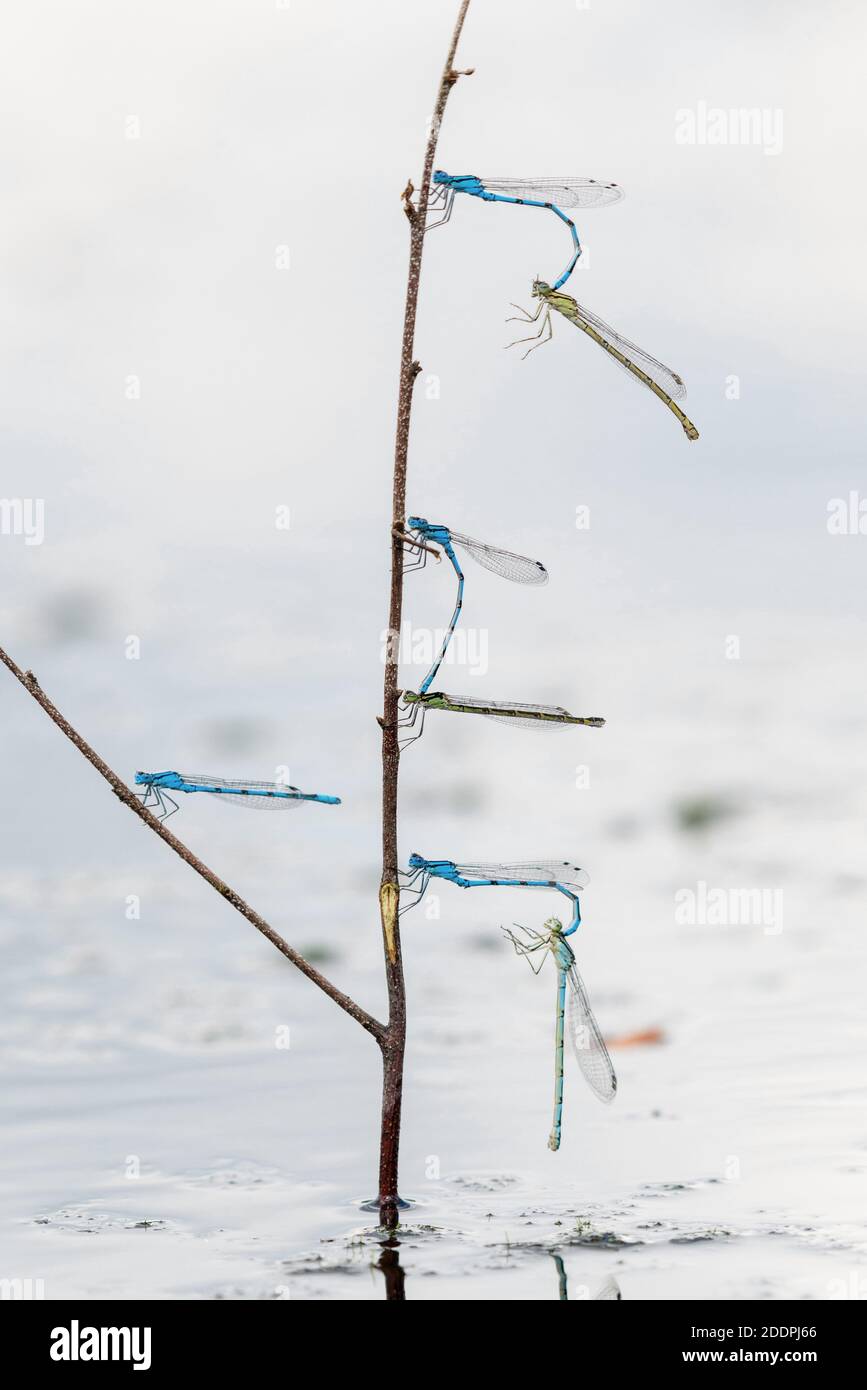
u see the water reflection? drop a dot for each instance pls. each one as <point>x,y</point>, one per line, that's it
<point>610,1290</point>
<point>392,1270</point>
<point>394,1275</point>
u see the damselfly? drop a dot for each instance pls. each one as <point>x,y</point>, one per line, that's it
<point>585,1037</point>
<point>566,878</point>
<point>240,792</point>
<point>505,563</point>
<point>658,378</point>
<point>551,193</point>
<point>523,716</point>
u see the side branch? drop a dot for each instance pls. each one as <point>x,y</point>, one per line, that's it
<point>129,799</point>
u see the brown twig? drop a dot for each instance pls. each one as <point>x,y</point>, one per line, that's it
<point>406,199</point>
<point>389,894</point>
<point>129,799</point>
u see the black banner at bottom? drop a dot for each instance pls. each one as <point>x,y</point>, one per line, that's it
<point>162,1338</point>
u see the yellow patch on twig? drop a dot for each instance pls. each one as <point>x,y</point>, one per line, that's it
<point>389,895</point>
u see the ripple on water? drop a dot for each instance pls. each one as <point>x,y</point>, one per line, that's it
<point>483,1182</point>
<point>84,1220</point>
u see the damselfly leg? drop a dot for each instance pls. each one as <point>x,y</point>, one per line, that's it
<point>535,338</point>
<point>418,552</point>
<point>441,201</point>
<point>412,715</point>
<point>536,942</point>
<point>526,316</point>
<point>408,879</point>
<point>155,798</point>
<point>418,560</point>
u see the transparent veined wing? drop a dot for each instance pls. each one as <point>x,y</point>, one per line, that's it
<point>523,716</point>
<point>506,563</point>
<point>241,792</point>
<point>268,802</point>
<point>590,1051</point>
<point>566,192</point>
<point>545,872</point>
<point>665,378</point>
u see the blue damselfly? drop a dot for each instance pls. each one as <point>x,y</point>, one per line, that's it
<point>237,791</point>
<point>551,193</point>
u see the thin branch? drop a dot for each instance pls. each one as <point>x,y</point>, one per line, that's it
<point>389,893</point>
<point>129,799</point>
<point>409,370</point>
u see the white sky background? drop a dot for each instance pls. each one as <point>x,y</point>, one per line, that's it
<point>263,126</point>
<point>298,126</point>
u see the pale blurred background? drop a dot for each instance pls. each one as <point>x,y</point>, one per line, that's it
<point>170,385</point>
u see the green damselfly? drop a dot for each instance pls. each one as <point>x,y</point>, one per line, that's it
<point>665,384</point>
<point>576,1018</point>
<point>522,716</point>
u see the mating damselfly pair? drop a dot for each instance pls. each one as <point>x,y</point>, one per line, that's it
<point>419,535</point>
<point>233,791</point>
<point>556,194</point>
<point>574,1016</point>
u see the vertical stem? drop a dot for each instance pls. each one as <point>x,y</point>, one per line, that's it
<point>393,1044</point>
